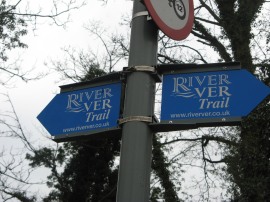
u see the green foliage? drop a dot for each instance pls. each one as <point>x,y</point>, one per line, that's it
<point>248,159</point>
<point>89,173</point>
<point>22,197</point>
<point>93,72</point>
<point>156,194</point>
<point>12,28</point>
<point>249,162</point>
<point>46,157</point>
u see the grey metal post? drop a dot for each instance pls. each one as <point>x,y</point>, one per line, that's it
<point>136,148</point>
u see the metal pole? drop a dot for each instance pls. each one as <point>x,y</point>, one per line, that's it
<point>136,148</point>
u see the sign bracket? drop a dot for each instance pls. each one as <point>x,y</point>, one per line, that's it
<point>141,68</point>
<point>114,132</point>
<point>144,68</point>
<point>191,68</point>
<point>102,80</point>
<point>142,13</point>
<point>169,126</point>
<point>136,118</point>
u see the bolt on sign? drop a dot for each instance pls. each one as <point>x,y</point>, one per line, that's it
<point>173,17</point>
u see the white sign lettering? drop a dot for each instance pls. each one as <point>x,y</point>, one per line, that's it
<point>95,103</point>
<point>212,91</point>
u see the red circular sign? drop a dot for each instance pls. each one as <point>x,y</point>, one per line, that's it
<point>173,17</point>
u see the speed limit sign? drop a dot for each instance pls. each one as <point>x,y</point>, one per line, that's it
<point>173,17</point>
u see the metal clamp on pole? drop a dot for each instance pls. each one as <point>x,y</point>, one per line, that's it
<point>141,68</point>
<point>136,118</point>
<point>142,13</point>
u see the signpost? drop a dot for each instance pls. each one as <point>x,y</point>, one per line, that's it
<point>83,111</point>
<point>173,17</point>
<point>136,148</point>
<point>210,97</point>
<point>188,98</point>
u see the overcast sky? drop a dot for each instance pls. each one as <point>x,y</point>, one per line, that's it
<point>45,44</point>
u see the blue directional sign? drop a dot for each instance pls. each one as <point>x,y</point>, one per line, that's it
<point>208,96</point>
<point>86,110</point>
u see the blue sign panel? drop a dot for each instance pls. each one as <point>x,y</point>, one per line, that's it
<point>210,95</point>
<point>86,110</point>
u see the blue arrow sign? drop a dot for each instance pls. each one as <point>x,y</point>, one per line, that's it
<point>86,110</point>
<point>208,96</point>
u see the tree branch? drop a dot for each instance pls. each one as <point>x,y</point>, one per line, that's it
<point>207,21</point>
<point>215,16</point>
<point>203,138</point>
<point>213,41</point>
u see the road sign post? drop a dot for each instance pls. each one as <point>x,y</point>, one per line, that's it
<point>189,99</point>
<point>136,148</point>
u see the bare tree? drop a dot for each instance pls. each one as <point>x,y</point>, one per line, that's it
<point>14,170</point>
<point>212,151</point>
<point>15,19</point>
